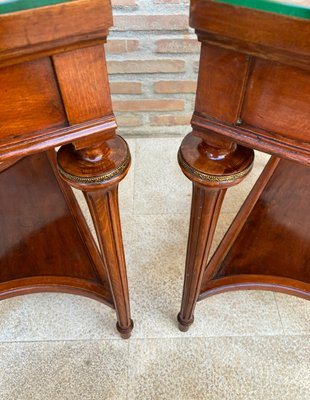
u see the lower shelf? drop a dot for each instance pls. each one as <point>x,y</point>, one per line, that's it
<point>268,244</point>
<point>45,243</point>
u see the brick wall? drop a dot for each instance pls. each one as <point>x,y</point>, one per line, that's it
<point>152,62</point>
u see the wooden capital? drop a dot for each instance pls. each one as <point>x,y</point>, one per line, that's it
<point>96,167</point>
<point>214,166</point>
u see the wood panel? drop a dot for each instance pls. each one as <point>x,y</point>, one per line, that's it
<point>278,100</point>
<point>275,239</point>
<point>269,241</point>
<point>30,100</point>
<point>220,84</point>
<point>30,239</point>
<point>83,81</point>
<point>31,31</point>
<point>255,32</point>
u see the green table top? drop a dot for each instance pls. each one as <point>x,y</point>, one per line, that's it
<point>293,8</point>
<point>9,6</point>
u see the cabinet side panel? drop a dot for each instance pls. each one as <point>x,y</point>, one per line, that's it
<point>277,100</point>
<point>30,100</point>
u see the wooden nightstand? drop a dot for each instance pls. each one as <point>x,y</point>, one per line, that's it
<point>253,93</point>
<point>55,92</point>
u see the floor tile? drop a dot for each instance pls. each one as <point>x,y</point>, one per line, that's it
<point>294,313</point>
<point>224,222</point>
<point>236,195</point>
<point>55,316</point>
<point>156,271</point>
<point>64,370</point>
<point>260,368</point>
<point>160,186</point>
<point>58,316</point>
<point>242,345</point>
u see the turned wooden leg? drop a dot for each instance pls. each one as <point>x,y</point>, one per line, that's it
<point>97,171</point>
<point>104,209</point>
<point>206,205</point>
<point>212,165</point>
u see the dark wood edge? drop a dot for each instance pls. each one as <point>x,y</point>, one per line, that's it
<point>34,30</point>
<point>239,221</point>
<point>39,284</point>
<point>88,240</point>
<point>274,29</point>
<point>256,282</point>
<point>257,50</point>
<point>12,147</point>
<point>68,44</point>
<point>252,137</point>
<point>9,163</point>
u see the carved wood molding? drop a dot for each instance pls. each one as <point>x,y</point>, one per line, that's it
<point>252,137</point>
<point>41,141</point>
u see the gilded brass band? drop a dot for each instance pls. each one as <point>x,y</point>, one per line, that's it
<point>98,179</point>
<point>212,178</point>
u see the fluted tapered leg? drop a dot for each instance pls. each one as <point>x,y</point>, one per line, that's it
<point>212,165</point>
<point>206,205</point>
<point>103,205</point>
<point>97,171</point>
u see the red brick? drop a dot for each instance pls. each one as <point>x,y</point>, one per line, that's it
<point>175,87</point>
<point>177,46</point>
<point>129,120</point>
<point>149,105</point>
<point>118,46</point>
<point>126,87</point>
<point>124,3</point>
<point>162,120</point>
<point>146,66</point>
<point>150,22</point>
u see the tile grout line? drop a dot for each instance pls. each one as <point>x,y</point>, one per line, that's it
<point>127,369</point>
<point>221,337</point>
<point>275,299</point>
<point>60,341</point>
<point>152,338</point>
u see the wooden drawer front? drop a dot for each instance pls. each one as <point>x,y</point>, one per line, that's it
<point>30,100</point>
<point>277,100</point>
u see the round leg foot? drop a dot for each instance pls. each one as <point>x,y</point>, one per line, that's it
<point>125,333</point>
<point>184,325</point>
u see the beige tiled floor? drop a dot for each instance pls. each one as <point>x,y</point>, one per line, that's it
<point>243,345</point>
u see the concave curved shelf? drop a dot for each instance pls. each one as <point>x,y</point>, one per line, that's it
<point>45,242</point>
<point>268,244</point>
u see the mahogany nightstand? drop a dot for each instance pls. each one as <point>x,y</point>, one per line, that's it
<point>55,92</point>
<point>253,93</point>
